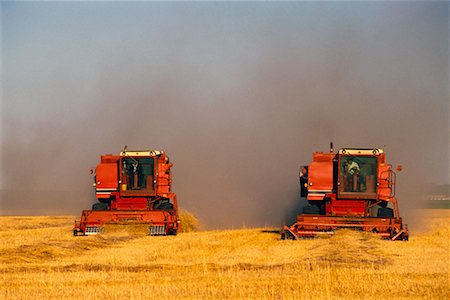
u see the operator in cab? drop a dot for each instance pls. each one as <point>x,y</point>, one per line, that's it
<point>352,167</point>
<point>352,171</point>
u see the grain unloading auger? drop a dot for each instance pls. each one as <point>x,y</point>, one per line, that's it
<point>132,187</point>
<point>353,188</point>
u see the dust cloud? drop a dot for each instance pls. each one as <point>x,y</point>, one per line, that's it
<point>238,94</point>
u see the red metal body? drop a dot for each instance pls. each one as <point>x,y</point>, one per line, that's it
<point>354,188</point>
<point>132,186</point>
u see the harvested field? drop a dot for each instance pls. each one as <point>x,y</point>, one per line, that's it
<point>42,260</point>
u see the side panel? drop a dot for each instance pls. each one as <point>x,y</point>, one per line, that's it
<point>320,177</point>
<point>385,183</point>
<point>164,176</point>
<point>106,176</point>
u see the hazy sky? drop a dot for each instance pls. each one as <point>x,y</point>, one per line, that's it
<point>238,94</point>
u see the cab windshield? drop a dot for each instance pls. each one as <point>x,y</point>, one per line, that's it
<point>137,173</point>
<point>358,174</point>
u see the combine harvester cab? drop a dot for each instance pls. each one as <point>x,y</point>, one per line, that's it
<point>132,187</point>
<point>354,188</point>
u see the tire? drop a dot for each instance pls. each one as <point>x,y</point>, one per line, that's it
<point>75,232</point>
<point>172,232</point>
<point>286,235</point>
<point>166,206</point>
<point>100,206</point>
<point>385,212</point>
<point>311,210</point>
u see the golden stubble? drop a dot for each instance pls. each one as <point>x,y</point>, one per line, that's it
<point>42,260</point>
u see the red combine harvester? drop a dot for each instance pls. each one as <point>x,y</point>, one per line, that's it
<point>349,189</point>
<point>132,187</point>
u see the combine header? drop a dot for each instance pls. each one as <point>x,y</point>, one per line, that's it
<point>132,187</point>
<point>352,188</point>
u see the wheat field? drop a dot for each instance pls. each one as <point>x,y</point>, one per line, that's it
<point>40,259</point>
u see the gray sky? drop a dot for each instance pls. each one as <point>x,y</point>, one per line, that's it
<point>238,94</point>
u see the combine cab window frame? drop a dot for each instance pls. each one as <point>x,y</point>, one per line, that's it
<point>346,188</point>
<point>145,185</point>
